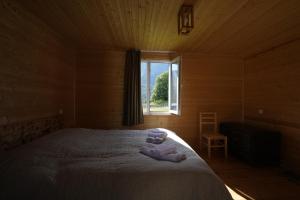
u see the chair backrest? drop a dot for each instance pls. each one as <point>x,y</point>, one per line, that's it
<point>208,119</point>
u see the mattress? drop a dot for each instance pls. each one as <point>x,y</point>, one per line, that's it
<point>91,164</point>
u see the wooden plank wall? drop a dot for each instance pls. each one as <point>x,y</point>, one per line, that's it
<point>272,81</point>
<point>36,68</point>
<point>208,84</point>
<point>99,89</point>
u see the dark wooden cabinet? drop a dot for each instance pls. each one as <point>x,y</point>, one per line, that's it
<point>253,144</point>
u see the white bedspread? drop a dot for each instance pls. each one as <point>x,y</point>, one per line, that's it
<point>89,164</point>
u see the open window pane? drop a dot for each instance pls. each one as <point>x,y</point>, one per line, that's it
<point>174,87</point>
<point>159,84</point>
<point>144,85</point>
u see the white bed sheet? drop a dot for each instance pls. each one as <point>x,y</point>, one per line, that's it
<point>86,164</point>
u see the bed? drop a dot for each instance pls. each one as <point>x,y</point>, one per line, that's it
<point>91,164</point>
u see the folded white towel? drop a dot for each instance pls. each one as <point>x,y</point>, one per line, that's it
<point>165,148</point>
<point>172,156</point>
<point>159,150</point>
<point>159,134</point>
<point>155,140</point>
<point>176,157</point>
<point>157,131</point>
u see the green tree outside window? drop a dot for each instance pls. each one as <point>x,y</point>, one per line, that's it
<point>160,90</point>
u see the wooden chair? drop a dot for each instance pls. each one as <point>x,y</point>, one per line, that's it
<point>211,139</point>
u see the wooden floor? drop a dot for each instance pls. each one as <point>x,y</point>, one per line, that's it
<point>253,183</point>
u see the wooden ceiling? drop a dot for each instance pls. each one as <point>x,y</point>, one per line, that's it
<point>235,27</point>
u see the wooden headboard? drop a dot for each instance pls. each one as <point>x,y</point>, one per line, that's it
<point>15,134</point>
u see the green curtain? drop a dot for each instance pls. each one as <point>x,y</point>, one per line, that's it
<point>133,109</point>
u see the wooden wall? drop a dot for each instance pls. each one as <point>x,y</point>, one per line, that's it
<point>36,68</point>
<point>272,81</point>
<point>208,84</point>
<point>99,89</point>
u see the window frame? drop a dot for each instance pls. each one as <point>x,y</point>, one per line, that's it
<point>148,92</point>
<point>176,60</point>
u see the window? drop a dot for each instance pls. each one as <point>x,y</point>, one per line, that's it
<point>160,86</point>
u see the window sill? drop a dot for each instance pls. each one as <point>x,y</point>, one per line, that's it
<point>159,113</point>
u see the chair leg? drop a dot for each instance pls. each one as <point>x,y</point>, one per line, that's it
<point>209,148</point>
<point>225,148</point>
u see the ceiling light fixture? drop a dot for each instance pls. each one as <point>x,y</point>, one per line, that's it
<point>185,19</point>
